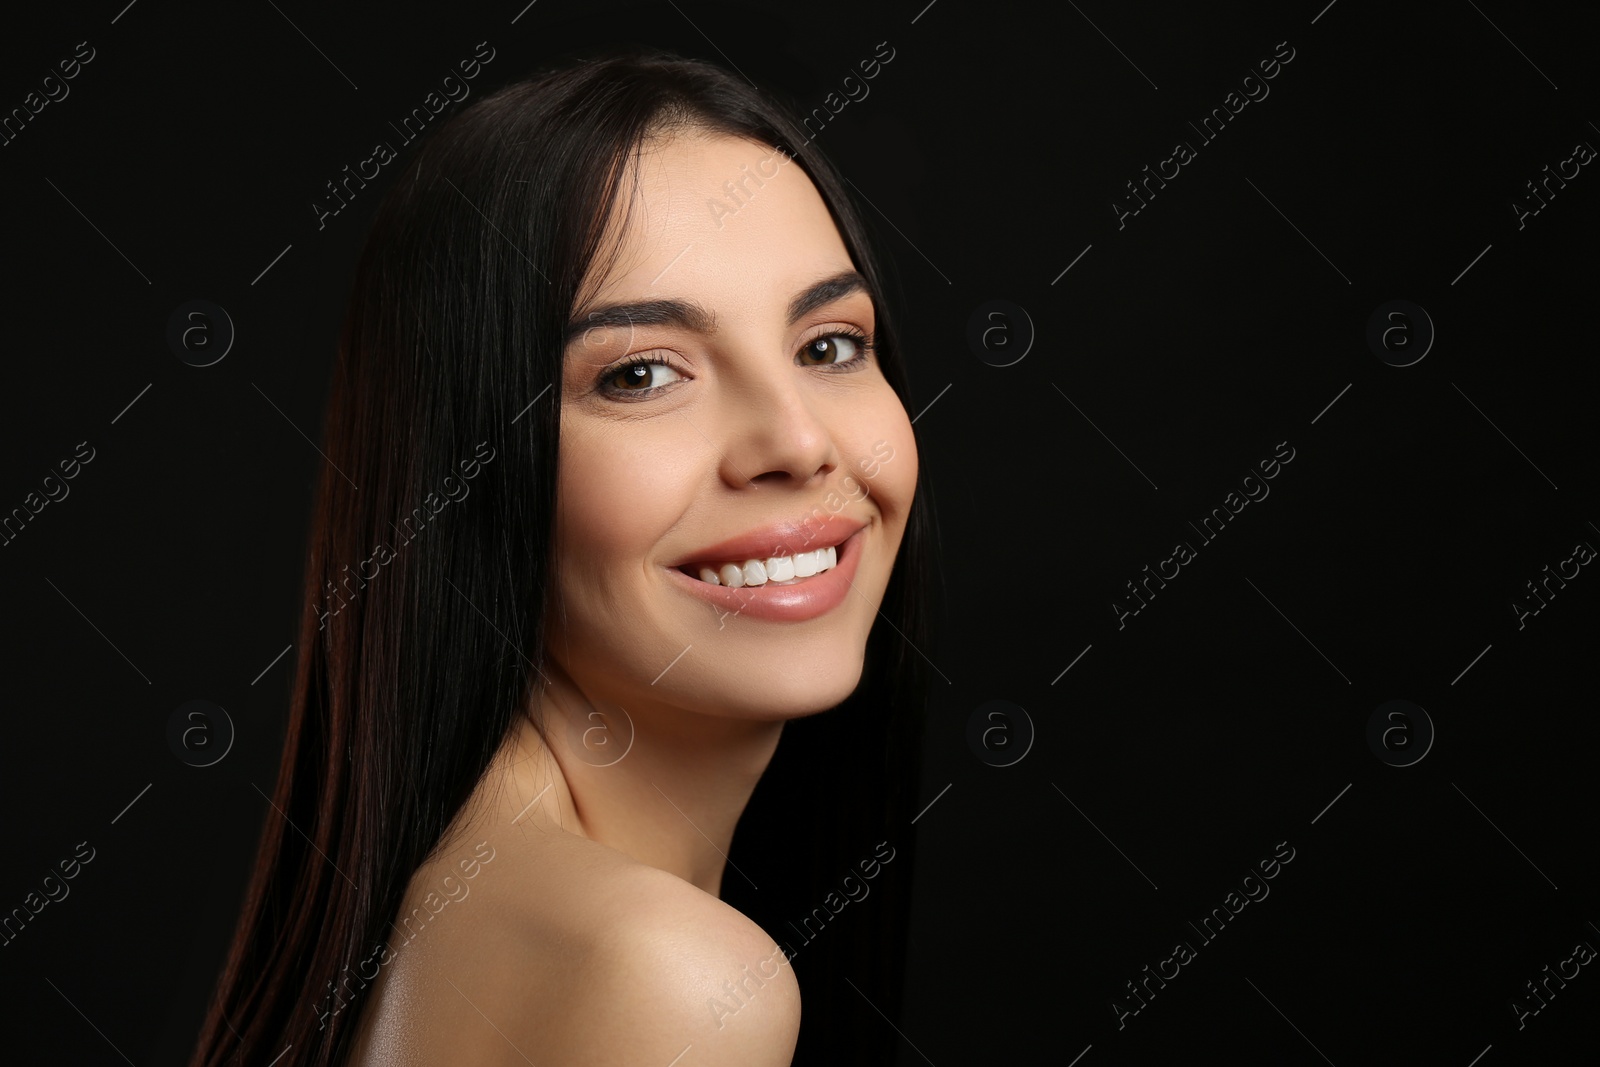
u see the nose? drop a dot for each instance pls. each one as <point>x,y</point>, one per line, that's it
<point>775,433</point>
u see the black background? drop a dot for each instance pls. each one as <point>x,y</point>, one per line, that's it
<point>1223,319</point>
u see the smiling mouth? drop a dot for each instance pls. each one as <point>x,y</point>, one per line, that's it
<point>774,570</point>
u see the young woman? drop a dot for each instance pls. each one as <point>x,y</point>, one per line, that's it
<point>621,488</point>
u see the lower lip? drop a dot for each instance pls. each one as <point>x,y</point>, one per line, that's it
<point>809,599</point>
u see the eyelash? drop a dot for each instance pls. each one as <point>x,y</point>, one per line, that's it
<point>866,343</point>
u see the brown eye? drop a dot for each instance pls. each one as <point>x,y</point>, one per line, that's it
<point>639,377</point>
<point>827,349</point>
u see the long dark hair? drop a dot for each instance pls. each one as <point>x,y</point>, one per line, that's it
<point>416,657</point>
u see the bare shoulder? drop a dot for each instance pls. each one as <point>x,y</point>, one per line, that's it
<point>670,968</point>
<point>558,949</point>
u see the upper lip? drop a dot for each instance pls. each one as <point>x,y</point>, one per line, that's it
<point>778,539</point>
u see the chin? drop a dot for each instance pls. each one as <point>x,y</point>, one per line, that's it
<point>794,691</point>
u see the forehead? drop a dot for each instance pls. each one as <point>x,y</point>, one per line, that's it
<point>729,221</point>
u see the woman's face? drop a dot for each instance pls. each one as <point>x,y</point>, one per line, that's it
<point>760,446</point>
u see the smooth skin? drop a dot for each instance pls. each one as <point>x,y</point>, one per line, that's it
<point>595,935</point>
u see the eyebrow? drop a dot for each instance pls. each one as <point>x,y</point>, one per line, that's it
<point>693,316</point>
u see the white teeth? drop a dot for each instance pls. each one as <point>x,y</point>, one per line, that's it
<point>754,572</point>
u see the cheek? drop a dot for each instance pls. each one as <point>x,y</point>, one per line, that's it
<point>895,482</point>
<point>619,491</point>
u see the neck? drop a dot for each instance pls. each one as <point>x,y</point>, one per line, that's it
<point>661,784</point>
